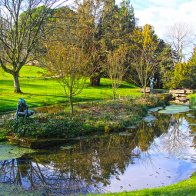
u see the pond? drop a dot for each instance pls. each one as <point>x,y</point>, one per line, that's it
<point>159,152</point>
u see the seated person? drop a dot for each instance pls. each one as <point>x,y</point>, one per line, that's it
<point>22,109</point>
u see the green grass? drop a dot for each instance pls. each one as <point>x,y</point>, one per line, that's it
<point>39,91</point>
<point>183,188</point>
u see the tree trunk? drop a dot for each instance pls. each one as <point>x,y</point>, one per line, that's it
<point>114,92</point>
<point>16,84</point>
<point>144,87</point>
<point>95,81</point>
<point>114,96</point>
<point>71,105</point>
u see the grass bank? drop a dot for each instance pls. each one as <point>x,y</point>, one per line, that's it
<point>40,90</point>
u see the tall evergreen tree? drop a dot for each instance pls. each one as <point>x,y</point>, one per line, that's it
<point>165,64</point>
<point>127,18</point>
<point>115,26</point>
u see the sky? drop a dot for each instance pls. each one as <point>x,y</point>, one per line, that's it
<point>163,13</point>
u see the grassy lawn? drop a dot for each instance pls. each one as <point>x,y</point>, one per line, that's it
<point>39,91</point>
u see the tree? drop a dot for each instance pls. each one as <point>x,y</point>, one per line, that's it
<point>183,75</point>
<point>68,63</point>
<point>108,6</point>
<point>115,67</point>
<point>180,37</point>
<point>127,19</point>
<point>165,66</point>
<point>192,71</point>
<point>21,27</point>
<point>115,25</point>
<point>66,58</point>
<point>90,10</point>
<point>189,80</point>
<point>143,55</point>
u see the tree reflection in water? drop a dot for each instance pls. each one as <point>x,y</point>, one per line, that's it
<point>90,164</point>
<point>177,140</point>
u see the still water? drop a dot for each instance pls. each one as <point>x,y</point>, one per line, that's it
<point>156,153</point>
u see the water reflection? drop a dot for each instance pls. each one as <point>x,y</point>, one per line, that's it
<point>177,140</point>
<point>109,163</point>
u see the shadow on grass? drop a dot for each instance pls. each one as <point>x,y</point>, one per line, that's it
<point>109,86</point>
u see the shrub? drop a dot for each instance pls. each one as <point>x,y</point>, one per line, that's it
<point>67,127</point>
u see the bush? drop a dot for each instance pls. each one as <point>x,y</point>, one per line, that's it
<point>67,127</point>
<point>193,104</point>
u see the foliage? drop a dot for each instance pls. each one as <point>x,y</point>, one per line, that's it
<point>115,25</point>
<point>190,80</point>
<point>65,53</point>
<point>183,75</point>
<point>178,76</point>
<point>115,67</point>
<point>51,127</point>
<point>91,12</point>
<point>89,118</point>
<point>143,55</point>
<point>3,134</point>
<point>193,102</point>
<point>165,65</point>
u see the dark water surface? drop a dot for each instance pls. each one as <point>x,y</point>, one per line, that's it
<point>155,154</point>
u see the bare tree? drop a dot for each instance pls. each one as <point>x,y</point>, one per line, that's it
<point>66,56</point>
<point>69,64</point>
<point>143,55</point>
<point>180,37</point>
<point>115,67</point>
<point>21,27</point>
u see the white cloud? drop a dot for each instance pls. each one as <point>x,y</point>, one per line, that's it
<point>165,3</point>
<point>164,13</point>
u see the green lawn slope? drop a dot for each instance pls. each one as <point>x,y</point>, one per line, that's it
<point>40,90</point>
